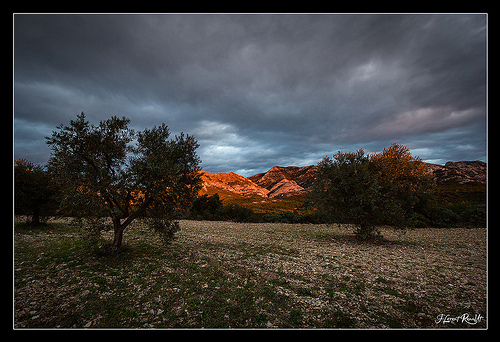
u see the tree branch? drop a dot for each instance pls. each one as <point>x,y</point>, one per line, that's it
<point>138,212</point>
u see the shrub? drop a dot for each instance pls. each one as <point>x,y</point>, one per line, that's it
<point>474,215</point>
<point>207,208</point>
<point>237,213</point>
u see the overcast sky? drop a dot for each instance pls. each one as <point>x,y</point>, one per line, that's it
<point>259,90</point>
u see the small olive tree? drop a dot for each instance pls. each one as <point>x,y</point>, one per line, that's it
<point>111,171</point>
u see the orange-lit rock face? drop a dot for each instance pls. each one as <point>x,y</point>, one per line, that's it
<point>277,182</point>
<point>230,182</point>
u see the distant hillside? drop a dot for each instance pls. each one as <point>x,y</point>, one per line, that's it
<point>286,181</point>
<point>462,172</point>
<point>285,186</point>
<point>231,183</point>
<point>460,182</point>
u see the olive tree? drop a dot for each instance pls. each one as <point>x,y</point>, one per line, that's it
<point>369,190</point>
<point>109,170</point>
<point>347,191</point>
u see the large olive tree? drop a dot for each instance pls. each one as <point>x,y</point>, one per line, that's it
<point>109,170</point>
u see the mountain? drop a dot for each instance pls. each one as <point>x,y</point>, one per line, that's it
<point>277,182</point>
<point>230,183</point>
<point>286,181</point>
<point>462,172</point>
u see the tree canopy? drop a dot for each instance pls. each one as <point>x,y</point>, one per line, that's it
<point>109,170</point>
<point>369,190</point>
<point>34,192</point>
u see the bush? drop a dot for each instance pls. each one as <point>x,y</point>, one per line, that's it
<point>445,215</point>
<point>474,215</point>
<point>271,218</point>
<point>90,230</point>
<point>166,229</point>
<point>211,208</point>
<point>207,208</point>
<point>291,217</point>
<point>441,216</point>
<point>234,212</point>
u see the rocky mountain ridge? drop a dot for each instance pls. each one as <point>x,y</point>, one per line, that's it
<point>461,172</point>
<point>287,181</point>
<point>230,182</point>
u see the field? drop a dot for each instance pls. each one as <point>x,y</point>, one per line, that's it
<point>251,275</point>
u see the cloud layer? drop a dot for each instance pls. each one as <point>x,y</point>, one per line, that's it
<point>259,90</point>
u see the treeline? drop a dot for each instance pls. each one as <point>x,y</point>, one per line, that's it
<point>109,172</point>
<point>211,208</point>
<point>445,215</point>
<point>438,215</point>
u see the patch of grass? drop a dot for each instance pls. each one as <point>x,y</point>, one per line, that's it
<point>339,319</point>
<point>410,307</point>
<point>392,292</point>
<point>381,280</point>
<point>295,317</point>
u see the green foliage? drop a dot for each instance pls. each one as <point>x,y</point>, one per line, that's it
<point>34,192</point>
<point>207,208</point>
<point>392,188</point>
<point>166,229</point>
<point>112,171</point>
<point>234,212</point>
<point>347,191</point>
<point>445,215</point>
<point>90,229</point>
<point>211,208</point>
<point>289,217</point>
<point>274,218</point>
<point>371,190</point>
<point>474,215</point>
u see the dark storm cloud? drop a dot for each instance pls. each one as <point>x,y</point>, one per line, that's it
<point>259,90</point>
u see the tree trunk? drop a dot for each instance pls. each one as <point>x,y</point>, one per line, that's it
<point>117,242</point>
<point>119,226</point>
<point>35,219</point>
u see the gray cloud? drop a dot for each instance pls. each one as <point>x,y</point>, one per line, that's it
<point>259,90</point>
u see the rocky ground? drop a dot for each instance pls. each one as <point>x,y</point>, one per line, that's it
<point>224,274</point>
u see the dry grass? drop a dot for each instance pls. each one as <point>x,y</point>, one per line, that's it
<point>224,274</point>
